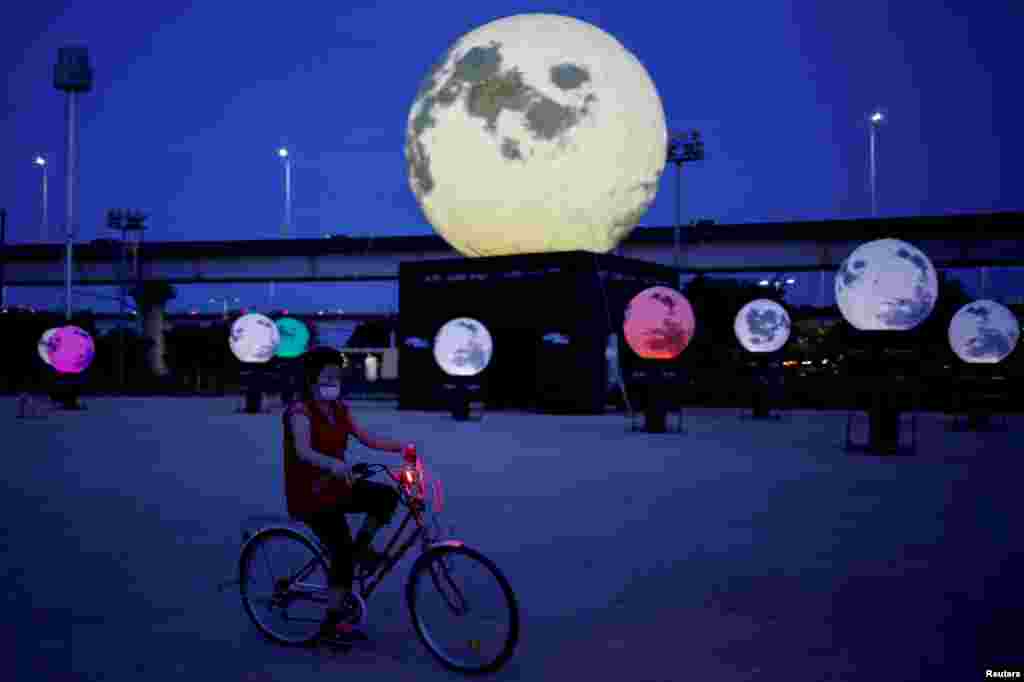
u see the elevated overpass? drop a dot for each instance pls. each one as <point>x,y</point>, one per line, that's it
<point>960,241</point>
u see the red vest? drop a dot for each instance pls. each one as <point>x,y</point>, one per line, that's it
<point>309,489</point>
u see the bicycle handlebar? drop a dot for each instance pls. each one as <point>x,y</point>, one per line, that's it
<point>368,470</point>
<point>417,487</point>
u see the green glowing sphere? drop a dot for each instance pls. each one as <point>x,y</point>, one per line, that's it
<point>294,337</point>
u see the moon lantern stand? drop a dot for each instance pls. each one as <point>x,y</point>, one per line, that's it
<point>767,385</point>
<point>461,390</point>
<point>459,387</point>
<point>766,375</point>
<point>289,378</point>
<point>887,391</point>
<point>976,391</point>
<point>66,388</point>
<point>255,377</point>
<point>662,386</point>
<point>254,380</point>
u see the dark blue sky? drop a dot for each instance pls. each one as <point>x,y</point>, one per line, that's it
<point>190,105</point>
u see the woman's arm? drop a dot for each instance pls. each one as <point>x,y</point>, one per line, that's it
<point>301,431</point>
<point>372,442</point>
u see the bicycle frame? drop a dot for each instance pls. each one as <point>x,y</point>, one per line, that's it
<point>365,590</point>
<point>415,509</point>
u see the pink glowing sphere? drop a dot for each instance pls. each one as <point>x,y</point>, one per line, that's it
<point>659,323</point>
<point>71,350</point>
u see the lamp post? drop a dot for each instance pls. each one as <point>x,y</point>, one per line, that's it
<point>283,153</point>
<point>681,149</point>
<point>876,119</point>
<point>44,225</point>
<point>128,223</point>
<point>72,75</point>
<point>3,260</point>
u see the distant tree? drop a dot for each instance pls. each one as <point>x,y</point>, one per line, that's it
<point>370,334</point>
<point>151,296</point>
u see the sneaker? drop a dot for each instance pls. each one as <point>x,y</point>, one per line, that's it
<point>346,632</point>
<point>335,629</point>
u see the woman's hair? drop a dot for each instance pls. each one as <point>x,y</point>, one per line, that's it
<point>314,362</point>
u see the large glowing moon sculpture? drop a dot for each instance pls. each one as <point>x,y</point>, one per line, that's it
<point>72,350</point>
<point>294,337</point>
<point>886,285</point>
<point>47,345</point>
<point>254,338</point>
<point>659,323</point>
<point>984,332</point>
<point>535,133</point>
<point>463,347</point>
<point>762,326</point>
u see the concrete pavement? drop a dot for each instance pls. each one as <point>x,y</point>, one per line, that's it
<point>741,551</point>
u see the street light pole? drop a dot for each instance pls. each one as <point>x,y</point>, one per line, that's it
<point>3,259</point>
<point>225,300</point>
<point>44,225</point>
<point>876,120</point>
<point>72,152</point>
<point>72,75</point>
<point>283,153</point>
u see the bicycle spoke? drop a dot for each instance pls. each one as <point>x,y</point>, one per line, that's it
<point>459,606</point>
<point>265,600</point>
<point>289,608</point>
<point>270,568</point>
<point>465,613</point>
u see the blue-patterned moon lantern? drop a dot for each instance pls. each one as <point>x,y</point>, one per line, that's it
<point>254,338</point>
<point>762,326</point>
<point>886,285</point>
<point>463,347</point>
<point>984,332</point>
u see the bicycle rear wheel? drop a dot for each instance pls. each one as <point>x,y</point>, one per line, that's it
<point>463,609</point>
<point>283,584</point>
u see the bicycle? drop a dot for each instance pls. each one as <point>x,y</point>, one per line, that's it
<point>441,565</point>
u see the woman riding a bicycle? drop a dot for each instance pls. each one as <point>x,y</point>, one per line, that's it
<point>319,484</point>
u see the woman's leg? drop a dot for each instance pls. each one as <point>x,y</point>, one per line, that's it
<point>331,527</point>
<point>379,502</point>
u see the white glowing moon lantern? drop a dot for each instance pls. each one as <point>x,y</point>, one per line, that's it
<point>254,338</point>
<point>984,332</point>
<point>372,370</point>
<point>47,345</point>
<point>72,350</point>
<point>463,347</point>
<point>762,326</point>
<point>535,133</point>
<point>888,285</point>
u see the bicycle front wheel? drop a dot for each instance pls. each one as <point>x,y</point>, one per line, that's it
<point>463,609</point>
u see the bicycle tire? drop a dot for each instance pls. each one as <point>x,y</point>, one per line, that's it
<point>420,570</point>
<point>248,551</point>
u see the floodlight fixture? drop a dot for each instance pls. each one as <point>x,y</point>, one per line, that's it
<point>682,148</point>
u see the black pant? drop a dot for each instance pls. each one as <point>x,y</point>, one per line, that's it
<point>374,499</point>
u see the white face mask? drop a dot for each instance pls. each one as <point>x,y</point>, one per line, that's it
<point>330,392</point>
